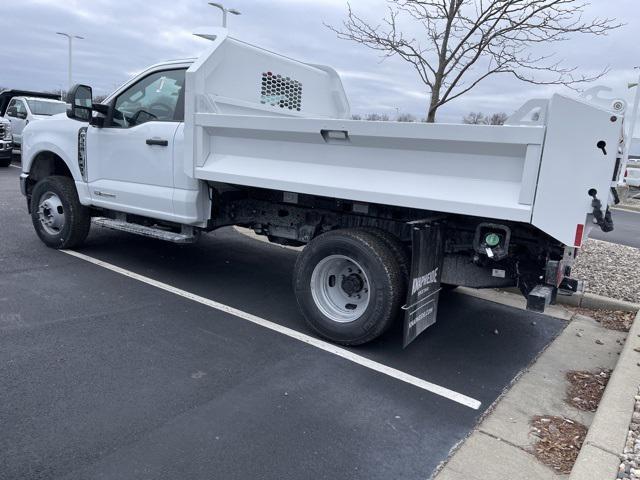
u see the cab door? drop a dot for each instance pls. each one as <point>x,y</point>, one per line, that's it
<point>17,116</point>
<point>130,159</point>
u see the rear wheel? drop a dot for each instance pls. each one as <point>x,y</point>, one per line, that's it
<point>349,286</point>
<point>5,162</point>
<point>57,215</point>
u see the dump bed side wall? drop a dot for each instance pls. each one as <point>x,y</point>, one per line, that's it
<point>572,164</point>
<point>484,171</point>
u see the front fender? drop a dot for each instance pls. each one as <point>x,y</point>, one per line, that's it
<point>58,135</point>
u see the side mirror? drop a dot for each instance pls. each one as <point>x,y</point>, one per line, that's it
<point>21,115</point>
<point>80,99</point>
<point>12,112</point>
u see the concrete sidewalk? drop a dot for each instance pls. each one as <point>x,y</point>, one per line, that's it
<point>500,448</point>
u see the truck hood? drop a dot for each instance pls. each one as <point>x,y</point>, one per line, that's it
<point>57,123</point>
<point>48,117</point>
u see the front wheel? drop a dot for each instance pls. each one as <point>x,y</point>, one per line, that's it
<point>60,220</point>
<point>348,285</point>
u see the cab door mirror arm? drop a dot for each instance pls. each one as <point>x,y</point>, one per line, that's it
<point>103,113</point>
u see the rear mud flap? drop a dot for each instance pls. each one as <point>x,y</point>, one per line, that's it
<point>421,308</point>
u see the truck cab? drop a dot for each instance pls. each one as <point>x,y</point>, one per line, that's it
<point>23,110</point>
<point>134,153</point>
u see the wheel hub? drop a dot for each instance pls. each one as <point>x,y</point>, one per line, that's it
<point>352,284</point>
<point>51,213</point>
<point>340,288</point>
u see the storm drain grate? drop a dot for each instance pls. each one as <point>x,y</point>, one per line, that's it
<point>279,91</point>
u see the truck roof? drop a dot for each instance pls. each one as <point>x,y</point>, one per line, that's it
<point>179,61</point>
<point>7,95</point>
<point>41,99</point>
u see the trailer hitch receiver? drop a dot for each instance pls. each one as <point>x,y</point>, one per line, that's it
<point>541,297</point>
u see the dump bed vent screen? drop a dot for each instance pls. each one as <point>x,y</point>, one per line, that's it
<point>279,91</point>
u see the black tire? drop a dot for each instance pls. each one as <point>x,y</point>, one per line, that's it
<point>77,219</point>
<point>5,162</point>
<point>384,277</point>
<point>403,256</point>
<point>400,251</point>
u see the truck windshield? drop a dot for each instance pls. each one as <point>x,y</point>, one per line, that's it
<point>42,107</point>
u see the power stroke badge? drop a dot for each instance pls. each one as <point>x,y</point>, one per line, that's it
<point>421,308</point>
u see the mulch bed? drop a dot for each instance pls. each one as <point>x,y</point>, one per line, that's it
<point>611,319</point>
<point>559,441</point>
<point>586,388</point>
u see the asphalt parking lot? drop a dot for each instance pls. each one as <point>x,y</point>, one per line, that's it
<point>626,231</point>
<point>106,376</point>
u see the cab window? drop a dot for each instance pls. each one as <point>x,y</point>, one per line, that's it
<point>158,97</point>
<point>19,107</point>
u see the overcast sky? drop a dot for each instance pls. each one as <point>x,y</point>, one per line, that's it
<point>125,36</point>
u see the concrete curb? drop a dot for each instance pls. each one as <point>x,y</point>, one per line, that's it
<point>600,455</point>
<point>591,300</point>
<point>627,208</point>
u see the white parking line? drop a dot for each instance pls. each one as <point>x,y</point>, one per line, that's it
<point>15,166</point>
<point>322,345</point>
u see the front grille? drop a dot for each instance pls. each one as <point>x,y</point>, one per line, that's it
<point>2,130</point>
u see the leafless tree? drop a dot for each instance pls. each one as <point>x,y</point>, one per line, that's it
<point>466,41</point>
<point>479,118</point>
<point>376,117</point>
<point>498,118</point>
<point>406,118</point>
<point>475,118</point>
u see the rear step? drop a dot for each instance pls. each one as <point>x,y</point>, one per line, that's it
<point>188,234</point>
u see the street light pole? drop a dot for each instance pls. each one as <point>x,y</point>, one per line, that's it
<point>70,37</point>
<point>225,11</point>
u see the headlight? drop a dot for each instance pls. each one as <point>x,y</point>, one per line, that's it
<point>7,131</point>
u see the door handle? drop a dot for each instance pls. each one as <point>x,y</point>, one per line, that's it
<point>157,141</point>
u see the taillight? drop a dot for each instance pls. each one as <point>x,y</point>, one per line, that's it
<point>579,234</point>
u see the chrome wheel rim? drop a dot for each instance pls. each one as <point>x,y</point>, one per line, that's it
<point>340,288</point>
<point>51,213</point>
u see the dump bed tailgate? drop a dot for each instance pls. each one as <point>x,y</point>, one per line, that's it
<point>580,150</point>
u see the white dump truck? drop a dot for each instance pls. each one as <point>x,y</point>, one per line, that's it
<point>390,213</point>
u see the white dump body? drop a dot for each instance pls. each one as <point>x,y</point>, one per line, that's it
<point>240,129</point>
